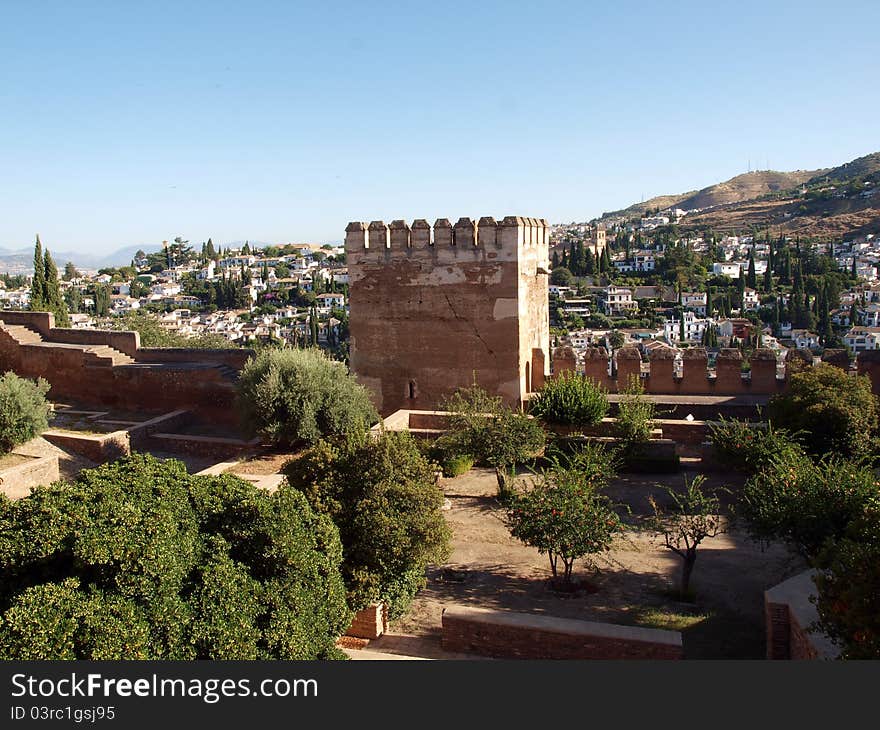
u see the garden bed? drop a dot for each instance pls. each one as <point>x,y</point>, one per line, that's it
<point>635,579</point>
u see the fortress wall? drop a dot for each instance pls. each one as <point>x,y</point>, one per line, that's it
<point>696,379</point>
<point>186,379</point>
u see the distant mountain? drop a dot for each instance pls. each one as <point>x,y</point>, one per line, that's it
<point>748,186</point>
<point>829,203</point>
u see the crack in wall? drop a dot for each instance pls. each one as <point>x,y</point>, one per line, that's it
<point>473,326</point>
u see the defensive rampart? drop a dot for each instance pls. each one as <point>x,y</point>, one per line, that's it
<point>110,369</point>
<point>661,375</point>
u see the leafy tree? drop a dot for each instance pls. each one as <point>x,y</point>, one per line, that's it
<point>805,503</point>
<point>482,426</point>
<point>70,271</point>
<point>24,411</point>
<point>561,277</point>
<point>140,560</point>
<point>54,300</point>
<point>102,300</point>
<point>290,396</point>
<point>383,496</point>
<point>564,514</point>
<point>836,412</point>
<point>848,582</point>
<point>751,278</point>
<point>694,518</point>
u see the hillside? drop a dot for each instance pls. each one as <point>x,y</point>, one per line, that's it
<point>748,186</point>
<point>828,203</point>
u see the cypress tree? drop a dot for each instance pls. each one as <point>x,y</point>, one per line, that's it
<point>752,278</point>
<point>581,259</point>
<point>54,301</point>
<point>313,325</point>
<point>38,287</point>
<point>768,280</point>
<point>209,249</point>
<point>853,314</point>
<point>555,264</point>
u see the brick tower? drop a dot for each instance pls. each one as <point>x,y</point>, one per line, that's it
<point>435,309</point>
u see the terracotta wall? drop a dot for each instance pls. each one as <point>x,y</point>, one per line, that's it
<point>505,634</point>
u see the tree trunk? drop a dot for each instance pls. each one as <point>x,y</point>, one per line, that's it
<point>687,567</point>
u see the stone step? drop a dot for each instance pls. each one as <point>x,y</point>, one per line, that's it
<point>23,334</point>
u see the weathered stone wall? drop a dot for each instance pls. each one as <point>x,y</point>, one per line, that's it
<point>506,634</point>
<point>435,309</point>
<point>17,481</point>
<point>159,380</point>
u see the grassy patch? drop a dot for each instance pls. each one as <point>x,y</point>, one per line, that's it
<point>658,618</point>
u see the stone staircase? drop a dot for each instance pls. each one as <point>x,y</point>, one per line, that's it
<point>228,372</point>
<point>106,355</point>
<point>23,334</point>
<point>102,355</point>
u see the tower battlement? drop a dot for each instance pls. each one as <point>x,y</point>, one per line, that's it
<point>447,240</point>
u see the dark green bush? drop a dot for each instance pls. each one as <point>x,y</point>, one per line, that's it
<point>140,560</point>
<point>24,411</point>
<point>570,399</point>
<point>454,466</point>
<point>835,411</point>
<point>382,495</point>
<point>289,396</point>
<point>635,416</point>
<point>749,447</point>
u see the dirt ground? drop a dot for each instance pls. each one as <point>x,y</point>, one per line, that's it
<point>634,580</point>
<point>263,464</point>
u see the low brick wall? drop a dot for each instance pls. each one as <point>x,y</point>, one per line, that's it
<point>213,446</point>
<point>17,481</point>
<point>788,614</point>
<point>506,634</point>
<point>100,448</point>
<point>370,622</point>
<point>233,357</point>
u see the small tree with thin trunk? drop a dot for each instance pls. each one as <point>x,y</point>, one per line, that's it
<point>695,517</point>
<point>564,514</point>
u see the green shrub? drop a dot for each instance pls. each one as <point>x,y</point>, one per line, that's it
<point>454,466</point>
<point>289,396</point>
<point>140,560</point>
<point>836,411</point>
<point>804,503</point>
<point>481,425</point>
<point>570,399</point>
<point>635,415</point>
<point>382,495</point>
<point>23,410</point>
<point>749,447</point>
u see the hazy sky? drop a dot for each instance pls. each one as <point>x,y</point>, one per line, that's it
<point>128,123</point>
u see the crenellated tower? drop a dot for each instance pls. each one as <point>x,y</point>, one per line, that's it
<point>434,308</point>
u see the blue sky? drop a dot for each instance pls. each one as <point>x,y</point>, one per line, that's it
<point>124,123</point>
